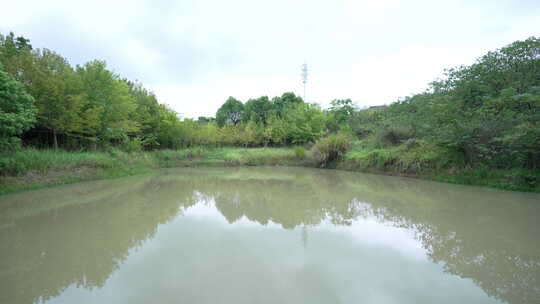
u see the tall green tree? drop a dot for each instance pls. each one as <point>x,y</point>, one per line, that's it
<point>257,110</point>
<point>16,56</point>
<point>170,132</point>
<point>109,106</point>
<point>57,90</point>
<point>17,111</point>
<point>147,114</point>
<point>285,101</point>
<point>306,122</point>
<point>232,111</point>
<point>339,113</point>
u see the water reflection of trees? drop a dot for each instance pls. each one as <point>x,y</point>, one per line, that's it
<point>485,235</point>
<point>81,244</point>
<point>474,233</point>
<point>481,234</point>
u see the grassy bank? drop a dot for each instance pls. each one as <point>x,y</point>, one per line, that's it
<point>32,169</point>
<point>437,164</point>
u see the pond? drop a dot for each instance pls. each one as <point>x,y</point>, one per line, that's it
<point>269,235</point>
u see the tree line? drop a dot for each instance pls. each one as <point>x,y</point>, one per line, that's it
<point>487,113</point>
<point>83,106</point>
<point>46,102</point>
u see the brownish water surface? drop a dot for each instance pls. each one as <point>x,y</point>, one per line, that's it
<point>269,235</point>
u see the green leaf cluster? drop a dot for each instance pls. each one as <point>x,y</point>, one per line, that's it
<point>17,111</point>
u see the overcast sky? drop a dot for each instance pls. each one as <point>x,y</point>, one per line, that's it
<point>195,53</point>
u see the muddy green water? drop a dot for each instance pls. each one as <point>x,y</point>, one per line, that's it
<point>269,235</point>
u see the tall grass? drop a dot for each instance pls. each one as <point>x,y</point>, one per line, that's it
<point>27,169</point>
<point>20,162</point>
<point>330,148</point>
<point>412,157</point>
<point>42,161</point>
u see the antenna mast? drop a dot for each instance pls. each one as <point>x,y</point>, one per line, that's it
<point>304,78</point>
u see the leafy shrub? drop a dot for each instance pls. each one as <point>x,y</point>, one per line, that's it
<point>330,148</point>
<point>132,145</point>
<point>393,135</point>
<point>9,166</point>
<point>17,111</point>
<point>300,152</point>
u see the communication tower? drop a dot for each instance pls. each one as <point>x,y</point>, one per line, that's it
<point>304,78</point>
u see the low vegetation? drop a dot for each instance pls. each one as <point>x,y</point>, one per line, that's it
<point>30,168</point>
<point>330,149</point>
<point>479,124</point>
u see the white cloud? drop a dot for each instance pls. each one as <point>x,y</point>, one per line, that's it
<point>194,54</point>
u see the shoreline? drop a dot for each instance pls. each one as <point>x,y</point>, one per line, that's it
<point>35,169</point>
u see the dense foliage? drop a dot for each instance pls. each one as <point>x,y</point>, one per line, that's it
<point>486,115</point>
<point>90,107</point>
<point>17,113</point>
<point>330,148</point>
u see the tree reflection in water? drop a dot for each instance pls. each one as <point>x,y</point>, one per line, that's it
<point>88,230</point>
